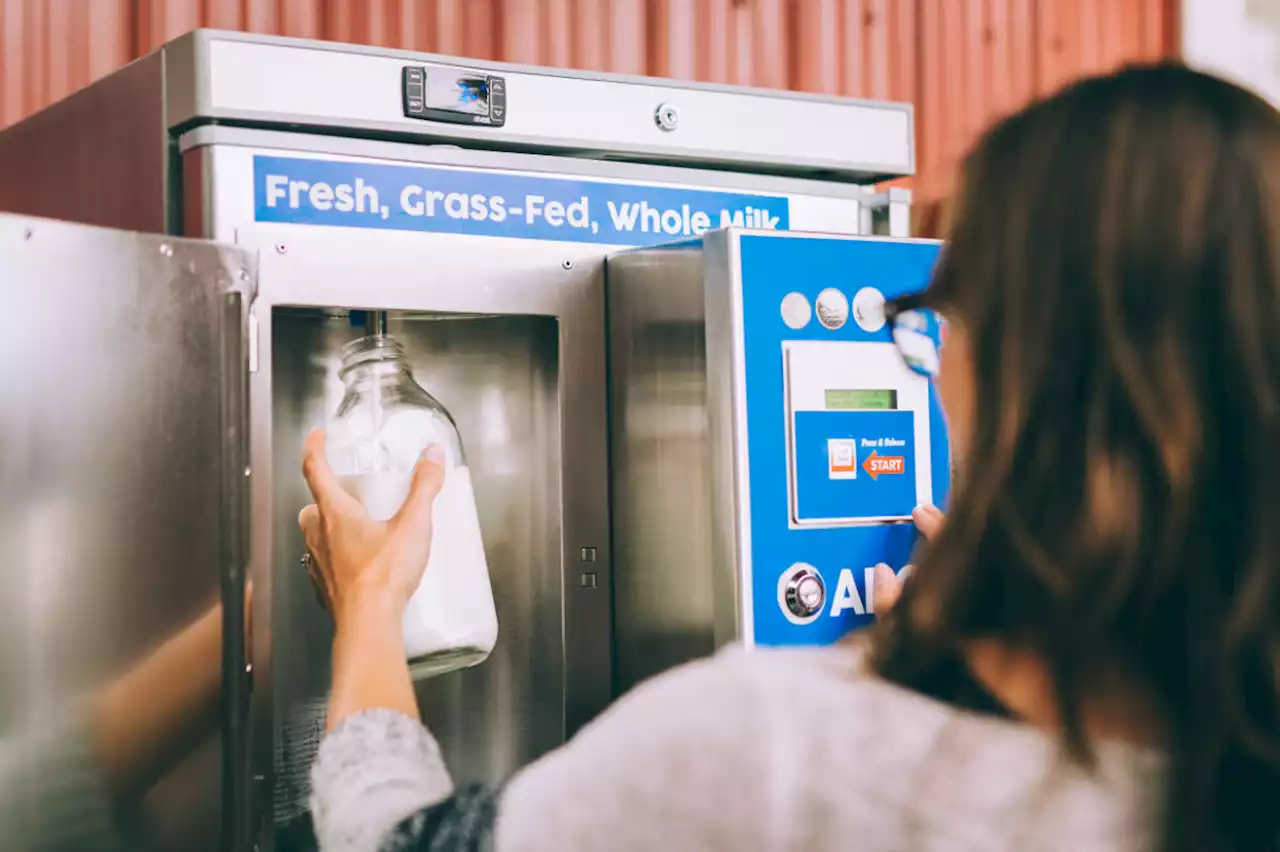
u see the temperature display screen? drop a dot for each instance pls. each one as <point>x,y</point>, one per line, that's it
<point>454,95</point>
<point>457,94</point>
<point>861,400</point>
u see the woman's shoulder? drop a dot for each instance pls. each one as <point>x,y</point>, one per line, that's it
<point>820,706</point>
<point>757,748</point>
<point>836,684</point>
<point>798,680</point>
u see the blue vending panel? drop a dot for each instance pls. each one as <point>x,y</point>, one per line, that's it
<point>843,440</point>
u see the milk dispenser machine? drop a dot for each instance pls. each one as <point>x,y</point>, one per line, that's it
<point>681,413</point>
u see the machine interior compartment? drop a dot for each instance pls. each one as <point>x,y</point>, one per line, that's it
<point>498,377</point>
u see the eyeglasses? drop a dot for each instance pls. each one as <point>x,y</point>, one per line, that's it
<point>919,334</point>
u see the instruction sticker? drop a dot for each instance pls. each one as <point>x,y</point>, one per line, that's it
<point>854,464</point>
<point>858,424</point>
<point>437,199</point>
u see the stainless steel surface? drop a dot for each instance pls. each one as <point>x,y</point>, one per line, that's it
<point>727,438</point>
<point>678,442</point>
<point>120,486</point>
<point>887,213</point>
<point>660,463</point>
<point>899,212</point>
<point>512,343</point>
<point>234,77</point>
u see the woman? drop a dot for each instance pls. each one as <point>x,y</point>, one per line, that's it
<point>1087,656</point>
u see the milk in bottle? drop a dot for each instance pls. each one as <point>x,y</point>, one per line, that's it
<point>382,425</point>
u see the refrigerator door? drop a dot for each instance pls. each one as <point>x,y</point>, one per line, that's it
<point>122,479</point>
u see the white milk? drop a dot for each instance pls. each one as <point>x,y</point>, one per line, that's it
<point>450,620</point>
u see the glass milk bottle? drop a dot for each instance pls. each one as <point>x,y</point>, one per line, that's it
<point>382,425</point>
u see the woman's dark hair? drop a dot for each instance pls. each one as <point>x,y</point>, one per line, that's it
<point>1114,259</point>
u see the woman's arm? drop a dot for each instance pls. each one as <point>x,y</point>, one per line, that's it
<point>379,782</point>
<point>369,668</point>
<point>365,572</point>
<point>685,761</point>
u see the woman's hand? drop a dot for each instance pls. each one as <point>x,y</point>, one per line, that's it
<point>355,558</point>
<point>928,520</point>
<point>365,572</point>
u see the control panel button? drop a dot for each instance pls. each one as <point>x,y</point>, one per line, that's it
<point>796,311</point>
<point>833,308</point>
<point>801,593</point>
<point>497,101</point>
<point>868,309</point>
<point>808,596</point>
<point>414,91</point>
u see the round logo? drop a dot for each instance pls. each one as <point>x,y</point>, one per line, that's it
<point>833,308</point>
<point>796,311</point>
<point>868,309</point>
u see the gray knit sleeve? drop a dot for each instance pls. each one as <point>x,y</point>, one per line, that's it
<point>682,762</point>
<point>52,794</point>
<point>373,772</point>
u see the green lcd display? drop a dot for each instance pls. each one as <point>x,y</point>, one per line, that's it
<point>862,400</point>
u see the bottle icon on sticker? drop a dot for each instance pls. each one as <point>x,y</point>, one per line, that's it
<point>842,458</point>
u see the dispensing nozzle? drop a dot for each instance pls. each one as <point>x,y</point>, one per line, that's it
<point>375,322</point>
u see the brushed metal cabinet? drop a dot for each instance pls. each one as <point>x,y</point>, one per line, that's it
<point>122,484</point>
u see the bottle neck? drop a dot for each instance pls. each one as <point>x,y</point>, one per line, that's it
<point>370,374</point>
<point>372,361</point>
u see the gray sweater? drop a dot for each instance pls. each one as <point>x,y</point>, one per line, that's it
<point>768,750</point>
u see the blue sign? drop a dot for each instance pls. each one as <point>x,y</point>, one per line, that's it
<point>497,204</point>
<point>845,556</point>
<point>852,465</point>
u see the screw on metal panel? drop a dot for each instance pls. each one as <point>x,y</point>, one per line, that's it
<point>166,250</point>
<point>244,276</point>
<point>28,234</point>
<point>281,248</point>
<point>568,264</point>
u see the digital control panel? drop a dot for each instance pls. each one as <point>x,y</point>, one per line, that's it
<point>843,438</point>
<point>858,433</point>
<point>454,95</point>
